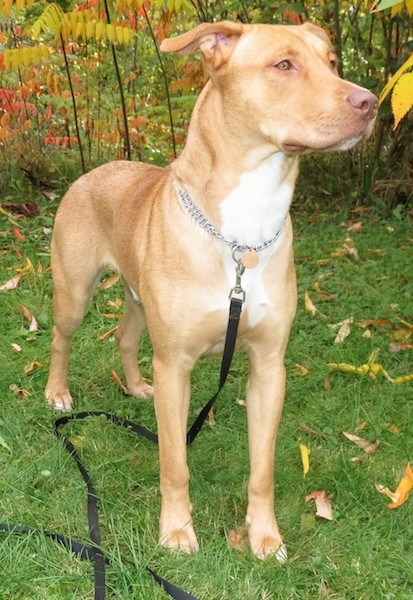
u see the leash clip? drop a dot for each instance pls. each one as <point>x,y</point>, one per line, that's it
<point>237,290</point>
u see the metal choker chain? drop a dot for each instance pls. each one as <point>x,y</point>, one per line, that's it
<point>201,219</point>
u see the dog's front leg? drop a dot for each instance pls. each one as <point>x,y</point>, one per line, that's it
<point>265,398</point>
<point>172,396</point>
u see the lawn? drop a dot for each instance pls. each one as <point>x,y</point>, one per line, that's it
<point>354,266</point>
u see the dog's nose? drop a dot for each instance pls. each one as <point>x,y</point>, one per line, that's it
<point>365,102</point>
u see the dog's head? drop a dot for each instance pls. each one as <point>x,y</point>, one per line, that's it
<point>285,78</point>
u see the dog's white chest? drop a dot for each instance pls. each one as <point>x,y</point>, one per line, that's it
<point>252,215</point>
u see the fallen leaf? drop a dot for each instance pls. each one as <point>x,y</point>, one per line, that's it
<point>365,445</point>
<point>355,227</point>
<point>108,283</point>
<point>344,330</point>
<point>404,487</point>
<point>373,322</point>
<point>106,334</point>
<point>11,284</point>
<point>78,440</point>
<point>20,392</point>
<point>399,346</point>
<point>115,303</point>
<point>346,250</point>
<point>16,347</point>
<point>401,494</point>
<point>322,504</point>
<point>309,306</point>
<point>28,209</point>
<point>370,368</point>
<point>32,366</point>
<point>18,234</point>
<point>118,380</point>
<point>211,418</point>
<point>302,369</point>
<point>385,490</point>
<point>238,539</point>
<point>33,325</point>
<point>241,402</point>
<point>28,268</point>
<point>305,458</point>
<point>391,427</point>
<point>308,429</point>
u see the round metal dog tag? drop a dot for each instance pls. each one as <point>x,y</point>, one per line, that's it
<point>250,258</point>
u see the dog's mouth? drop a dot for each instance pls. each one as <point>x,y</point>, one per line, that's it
<point>295,147</point>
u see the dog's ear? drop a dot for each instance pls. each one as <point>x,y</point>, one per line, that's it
<point>215,40</point>
<point>317,31</point>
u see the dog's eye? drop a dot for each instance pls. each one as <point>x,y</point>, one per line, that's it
<point>333,64</point>
<point>284,65</point>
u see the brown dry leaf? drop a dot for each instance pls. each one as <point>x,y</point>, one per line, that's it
<point>364,323</point>
<point>355,227</point>
<point>16,347</point>
<point>11,284</point>
<point>108,283</point>
<point>33,325</point>
<point>309,306</point>
<point>308,429</point>
<point>365,445</point>
<point>27,209</point>
<point>20,392</point>
<point>322,504</point>
<point>241,402</point>
<point>302,369</point>
<point>118,380</point>
<point>115,303</point>
<point>32,366</point>
<point>211,418</point>
<point>344,330</point>
<point>398,346</point>
<point>238,539</point>
<point>346,250</point>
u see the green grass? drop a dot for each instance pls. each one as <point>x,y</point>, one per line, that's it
<point>365,553</point>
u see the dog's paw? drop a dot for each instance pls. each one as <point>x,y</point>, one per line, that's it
<point>269,548</point>
<point>266,541</point>
<point>139,390</point>
<point>59,400</point>
<point>180,539</point>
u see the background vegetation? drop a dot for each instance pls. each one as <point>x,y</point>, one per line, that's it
<point>84,83</point>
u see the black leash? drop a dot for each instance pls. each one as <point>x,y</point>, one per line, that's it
<point>94,552</point>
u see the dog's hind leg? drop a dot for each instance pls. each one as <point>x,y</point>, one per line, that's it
<point>128,336</point>
<point>75,277</point>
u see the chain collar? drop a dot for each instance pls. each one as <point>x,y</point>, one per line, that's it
<point>201,219</point>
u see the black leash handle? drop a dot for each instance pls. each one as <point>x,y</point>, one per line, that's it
<point>94,552</point>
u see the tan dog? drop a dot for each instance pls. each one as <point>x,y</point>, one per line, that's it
<point>273,94</point>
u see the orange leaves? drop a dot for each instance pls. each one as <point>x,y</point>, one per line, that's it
<point>322,504</point>
<point>401,494</point>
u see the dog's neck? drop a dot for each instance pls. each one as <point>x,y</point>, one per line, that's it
<point>245,189</point>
